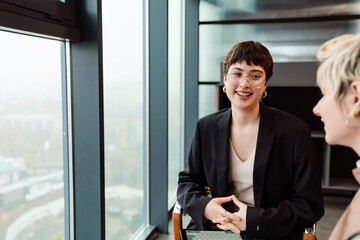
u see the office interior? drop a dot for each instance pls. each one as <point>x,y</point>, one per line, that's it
<point>99,100</point>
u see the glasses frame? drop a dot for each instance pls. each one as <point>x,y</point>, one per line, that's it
<point>253,82</point>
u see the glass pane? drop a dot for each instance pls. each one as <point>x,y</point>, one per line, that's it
<point>175,89</point>
<point>219,10</point>
<point>207,99</point>
<point>124,118</point>
<point>31,147</point>
<point>287,42</point>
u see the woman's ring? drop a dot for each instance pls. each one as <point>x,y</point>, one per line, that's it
<point>224,213</point>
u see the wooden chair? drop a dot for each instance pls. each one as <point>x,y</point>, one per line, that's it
<point>177,221</point>
<point>308,234</point>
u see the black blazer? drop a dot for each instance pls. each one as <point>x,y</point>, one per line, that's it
<point>286,177</point>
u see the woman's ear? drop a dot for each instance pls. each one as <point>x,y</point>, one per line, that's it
<point>355,92</point>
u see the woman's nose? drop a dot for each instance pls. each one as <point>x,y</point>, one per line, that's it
<point>244,81</point>
<point>316,110</point>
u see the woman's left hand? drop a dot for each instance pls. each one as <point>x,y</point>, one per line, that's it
<point>241,213</point>
<point>223,223</point>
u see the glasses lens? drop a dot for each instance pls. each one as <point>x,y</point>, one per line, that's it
<point>236,78</point>
<point>257,83</point>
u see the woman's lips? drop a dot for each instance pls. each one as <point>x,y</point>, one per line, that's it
<point>244,95</point>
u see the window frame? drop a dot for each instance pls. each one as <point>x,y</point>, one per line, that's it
<point>53,19</point>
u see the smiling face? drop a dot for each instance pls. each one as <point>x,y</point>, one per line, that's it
<point>244,93</point>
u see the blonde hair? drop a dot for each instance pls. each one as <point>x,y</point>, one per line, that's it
<point>340,65</point>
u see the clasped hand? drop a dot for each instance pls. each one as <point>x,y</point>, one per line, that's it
<point>235,222</point>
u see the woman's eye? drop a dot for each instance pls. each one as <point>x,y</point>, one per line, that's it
<point>255,77</point>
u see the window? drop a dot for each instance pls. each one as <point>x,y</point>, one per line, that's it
<point>124,118</point>
<point>31,144</point>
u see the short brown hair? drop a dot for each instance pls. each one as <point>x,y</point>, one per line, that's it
<point>254,53</point>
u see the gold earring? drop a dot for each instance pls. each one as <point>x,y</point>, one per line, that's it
<point>354,110</point>
<point>352,113</point>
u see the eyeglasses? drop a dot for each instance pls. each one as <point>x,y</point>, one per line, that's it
<point>255,80</point>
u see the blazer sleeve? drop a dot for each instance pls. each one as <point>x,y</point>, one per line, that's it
<point>303,208</point>
<point>191,192</point>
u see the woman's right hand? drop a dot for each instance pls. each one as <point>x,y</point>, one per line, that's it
<point>214,211</point>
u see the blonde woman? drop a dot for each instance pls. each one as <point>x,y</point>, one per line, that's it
<point>339,80</point>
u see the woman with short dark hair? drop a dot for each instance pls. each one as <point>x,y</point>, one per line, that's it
<point>259,162</point>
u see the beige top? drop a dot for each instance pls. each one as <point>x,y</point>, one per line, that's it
<point>241,177</point>
<point>348,225</point>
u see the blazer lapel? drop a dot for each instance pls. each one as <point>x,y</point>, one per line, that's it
<point>263,150</point>
<point>222,135</point>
